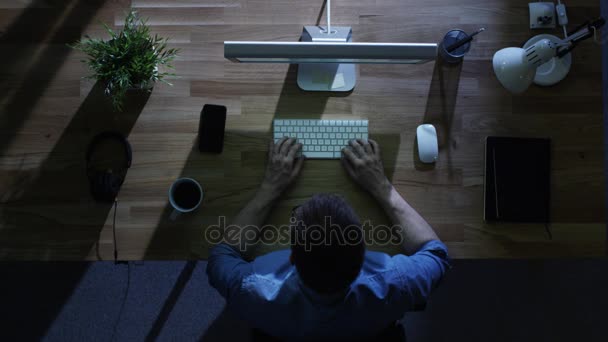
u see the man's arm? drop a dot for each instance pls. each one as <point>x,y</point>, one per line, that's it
<point>282,169</point>
<point>227,266</point>
<point>363,163</point>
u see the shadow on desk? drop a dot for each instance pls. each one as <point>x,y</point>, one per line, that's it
<point>231,178</point>
<point>32,64</point>
<point>299,104</point>
<point>47,211</point>
<point>228,180</point>
<point>440,106</point>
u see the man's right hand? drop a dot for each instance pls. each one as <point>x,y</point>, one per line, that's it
<point>363,163</point>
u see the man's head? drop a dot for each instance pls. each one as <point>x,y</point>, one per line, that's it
<point>327,243</point>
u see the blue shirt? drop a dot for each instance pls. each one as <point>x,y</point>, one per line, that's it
<point>268,293</point>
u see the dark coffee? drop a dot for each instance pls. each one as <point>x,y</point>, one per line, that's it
<point>186,195</point>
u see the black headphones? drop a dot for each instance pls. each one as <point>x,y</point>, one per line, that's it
<point>105,184</point>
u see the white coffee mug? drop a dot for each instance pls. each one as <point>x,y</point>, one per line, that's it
<point>185,195</point>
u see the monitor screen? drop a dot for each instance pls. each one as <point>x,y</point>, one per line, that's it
<point>329,52</point>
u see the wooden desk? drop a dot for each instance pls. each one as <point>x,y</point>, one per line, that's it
<point>49,114</point>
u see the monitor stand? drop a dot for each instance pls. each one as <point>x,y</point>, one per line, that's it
<point>327,76</point>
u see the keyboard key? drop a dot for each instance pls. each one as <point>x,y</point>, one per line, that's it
<point>313,141</point>
<point>320,155</point>
<point>306,135</point>
<point>317,148</point>
<point>323,148</point>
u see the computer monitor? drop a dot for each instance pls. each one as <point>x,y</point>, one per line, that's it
<point>327,60</point>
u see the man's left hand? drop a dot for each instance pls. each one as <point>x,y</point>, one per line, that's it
<point>283,166</point>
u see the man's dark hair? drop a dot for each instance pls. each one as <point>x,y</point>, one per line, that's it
<point>330,265</point>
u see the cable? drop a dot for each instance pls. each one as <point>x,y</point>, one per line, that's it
<point>328,16</point>
<point>560,18</point>
<point>114,231</point>
<point>548,230</point>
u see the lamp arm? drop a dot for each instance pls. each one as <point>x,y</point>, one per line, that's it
<point>581,33</point>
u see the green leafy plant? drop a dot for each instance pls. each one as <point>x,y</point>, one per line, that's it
<point>128,60</point>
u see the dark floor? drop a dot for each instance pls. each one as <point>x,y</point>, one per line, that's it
<point>485,300</point>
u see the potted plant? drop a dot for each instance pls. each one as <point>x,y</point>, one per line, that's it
<point>128,60</point>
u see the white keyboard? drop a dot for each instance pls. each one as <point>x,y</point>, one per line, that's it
<point>321,139</point>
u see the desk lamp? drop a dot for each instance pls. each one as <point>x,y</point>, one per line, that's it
<point>545,59</point>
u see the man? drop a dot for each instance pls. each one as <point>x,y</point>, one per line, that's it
<point>336,290</point>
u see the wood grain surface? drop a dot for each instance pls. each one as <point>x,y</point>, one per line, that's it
<point>49,113</point>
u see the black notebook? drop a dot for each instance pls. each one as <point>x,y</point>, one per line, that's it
<point>517,179</point>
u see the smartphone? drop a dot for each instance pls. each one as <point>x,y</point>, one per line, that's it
<point>211,128</point>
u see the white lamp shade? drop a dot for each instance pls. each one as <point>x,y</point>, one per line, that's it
<point>513,70</point>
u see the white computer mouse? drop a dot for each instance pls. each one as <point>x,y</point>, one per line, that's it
<point>428,149</point>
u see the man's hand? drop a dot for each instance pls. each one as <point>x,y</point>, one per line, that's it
<point>281,171</point>
<point>363,163</point>
<point>283,166</point>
